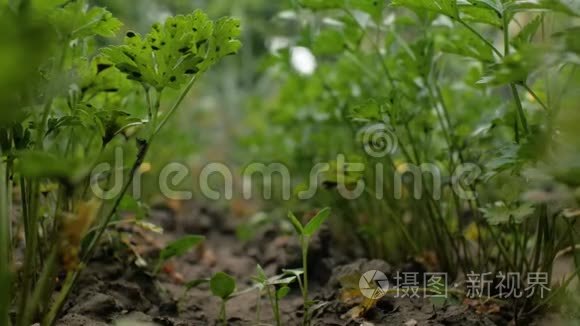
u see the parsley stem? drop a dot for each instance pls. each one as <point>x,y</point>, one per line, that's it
<point>535,96</point>
<point>176,105</point>
<point>480,36</point>
<point>5,243</point>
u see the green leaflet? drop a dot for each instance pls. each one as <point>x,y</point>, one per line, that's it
<point>571,39</point>
<point>113,122</point>
<point>282,292</point>
<point>322,4</point>
<point>495,5</point>
<point>98,76</point>
<point>173,52</point>
<point>329,42</point>
<point>373,7</point>
<point>72,21</point>
<point>463,42</point>
<point>43,164</point>
<point>316,222</point>
<point>222,285</point>
<point>569,7</point>
<point>479,14</point>
<point>367,111</point>
<point>527,33</point>
<point>445,7</point>
<point>514,68</point>
<point>501,214</point>
<point>180,247</point>
<point>296,223</point>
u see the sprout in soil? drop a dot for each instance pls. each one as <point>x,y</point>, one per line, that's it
<point>276,289</point>
<point>305,232</point>
<point>222,286</point>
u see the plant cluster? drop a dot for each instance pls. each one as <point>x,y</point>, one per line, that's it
<point>484,82</point>
<point>489,84</point>
<point>68,101</point>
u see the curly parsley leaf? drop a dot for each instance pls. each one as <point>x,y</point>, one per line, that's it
<point>97,76</point>
<point>73,21</point>
<point>502,214</point>
<point>173,52</point>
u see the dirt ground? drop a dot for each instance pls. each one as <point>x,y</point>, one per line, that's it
<point>114,291</point>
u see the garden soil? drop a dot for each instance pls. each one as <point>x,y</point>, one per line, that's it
<point>113,290</point>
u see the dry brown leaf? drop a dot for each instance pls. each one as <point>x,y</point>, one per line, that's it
<point>429,260</point>
<point>74,228</point>
<point>482,307</point>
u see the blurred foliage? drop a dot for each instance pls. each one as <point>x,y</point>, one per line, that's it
<point>439,78</point>
<point>491,83</point>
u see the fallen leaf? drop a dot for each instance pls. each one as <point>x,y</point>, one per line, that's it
<point>483,308</point>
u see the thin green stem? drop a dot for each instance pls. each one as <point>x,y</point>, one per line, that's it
<point>30,255</point>
<point>556,292</point>
<point>31,222</point>
<point>506,35</point>
<point>142,152</point>
<point>304,245</point>
<point>502,250</point>
<point>535,96</point>
<point>376,49</point>
<point>520,109</point>
<point>143,149</point>
<point>258,306</point>
<point>176,105</point>
<point>223,316</point>
<point>41,287</point>
<point>5,244</point>
<point>275,305</point>
<point>396,220</point>
<point>31,215</point>
<point>413,143</point>
<point>149,103</point>
<point>480,36</point>
<point>69,281</point>
<point>277,309</point>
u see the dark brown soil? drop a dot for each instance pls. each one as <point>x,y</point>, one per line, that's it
<point>114,291</point>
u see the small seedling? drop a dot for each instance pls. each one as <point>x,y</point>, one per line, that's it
<point>276,289</point>
<point>177,248</point>
<point>222,286</point>
<point>305,232</point>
